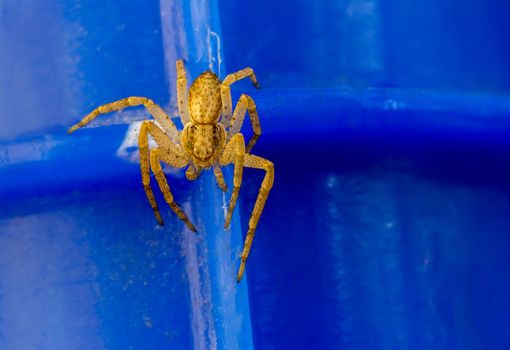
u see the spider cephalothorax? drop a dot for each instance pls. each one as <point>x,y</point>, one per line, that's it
<point>203,142</point>
<point>211,137</point>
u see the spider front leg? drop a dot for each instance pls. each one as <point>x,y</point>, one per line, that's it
<point>226,97</point>
<point>168,152</point>
<point>182,92</point>
<point>245,103</point>
<point>156,111</point>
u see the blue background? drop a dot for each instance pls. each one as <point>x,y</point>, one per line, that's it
<point>388,226</point>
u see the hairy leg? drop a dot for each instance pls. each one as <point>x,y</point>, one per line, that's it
<point>157,155</point>
<point>252,161</point>
<point>174,157</point>
<point>156,111</point>
<point>234,153</point>
<point>220,180</point>
<point>226,97</point>
<point>182,92</point>
<point>244,104</point>
<point>143,146</point>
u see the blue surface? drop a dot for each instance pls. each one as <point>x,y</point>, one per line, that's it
<point>388,226</point>
<point>425,44</point>
<point>75,276</point>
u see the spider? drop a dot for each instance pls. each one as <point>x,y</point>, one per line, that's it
<point>211,138</point>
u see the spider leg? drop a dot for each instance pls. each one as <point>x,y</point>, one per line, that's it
<point>156,111</point>
<point>252,161</point>
<point>226,97</point>
<point>170,154</point>
<point>234,153</point>
<point>157,155</point>
<point>245,103</point>
<point>182,92</point>
<point>219,178</point>
<point>143,146</point>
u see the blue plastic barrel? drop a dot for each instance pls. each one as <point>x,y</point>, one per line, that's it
<point>388,226</point>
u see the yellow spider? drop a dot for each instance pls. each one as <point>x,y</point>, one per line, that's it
<point>211,137</point>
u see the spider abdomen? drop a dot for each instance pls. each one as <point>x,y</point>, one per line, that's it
<point>204,98</point>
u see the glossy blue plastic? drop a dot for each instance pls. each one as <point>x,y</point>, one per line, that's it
<point>388,226</point>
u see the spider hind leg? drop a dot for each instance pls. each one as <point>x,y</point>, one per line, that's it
<point>235,153</point>
<point>252,161</point>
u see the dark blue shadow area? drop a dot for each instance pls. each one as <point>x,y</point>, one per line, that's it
<point>382,245</point>
<point>435,44</point>
<point>388,225</point>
